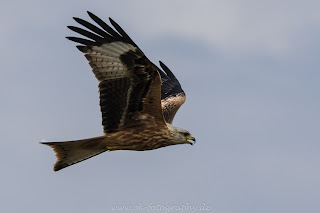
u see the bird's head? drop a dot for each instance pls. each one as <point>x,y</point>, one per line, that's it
<point>183,136</point>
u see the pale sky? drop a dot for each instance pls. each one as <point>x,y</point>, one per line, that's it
<point>251,73</point>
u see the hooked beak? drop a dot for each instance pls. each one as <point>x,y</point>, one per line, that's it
<point>191,138</point>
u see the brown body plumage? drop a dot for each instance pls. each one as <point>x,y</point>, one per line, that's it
<point>138,100</point>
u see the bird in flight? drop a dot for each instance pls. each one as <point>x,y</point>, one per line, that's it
<point>138,100</point>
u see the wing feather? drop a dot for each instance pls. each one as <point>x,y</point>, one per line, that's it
<point>86,33</point>
<point>172,95</point>
<point>92,27</point>
<point>105,26</point>
<point>113,100</point>
<point>81,40</point>
<point>130,85</point>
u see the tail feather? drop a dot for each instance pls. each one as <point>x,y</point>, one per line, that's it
<point>72,152</point>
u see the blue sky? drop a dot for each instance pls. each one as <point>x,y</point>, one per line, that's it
<point>251,73</point>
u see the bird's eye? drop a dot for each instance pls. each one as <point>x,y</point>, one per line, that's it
<point>186,134</point>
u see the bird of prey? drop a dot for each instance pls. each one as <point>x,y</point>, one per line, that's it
<point>138,100</point>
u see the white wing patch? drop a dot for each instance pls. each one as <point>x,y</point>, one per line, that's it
<point>104,60</point>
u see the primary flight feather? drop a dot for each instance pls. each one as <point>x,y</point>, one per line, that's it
<point>138,100</point>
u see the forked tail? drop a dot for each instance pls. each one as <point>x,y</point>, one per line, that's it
<point>72,152</point>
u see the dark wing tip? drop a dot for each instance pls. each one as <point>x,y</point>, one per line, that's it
<point>112,21</point>
<point>81,21</point>
<point>121,31</point>
<point>100,32</point>
<point>78,20</point>
<point>170,85</point>
<point>75,29</point>
<point>69,38</point>
<point>116,26</point>
<point>93,16</point>
<point>60,165</point>
<point>81,40</point>
<point>167,70</point>
<point>82,48</point>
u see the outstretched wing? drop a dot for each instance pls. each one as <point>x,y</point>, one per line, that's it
<point>130,85</point>
<point>172,95</point>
